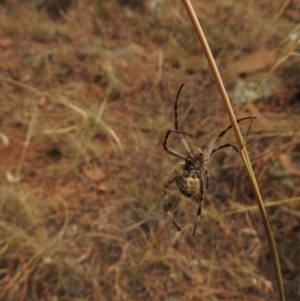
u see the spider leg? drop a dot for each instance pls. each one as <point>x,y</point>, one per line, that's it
<point>207,179</point>
<point>166,202</point>
<point>230,127</point>
<point>212,146</point>
<point>201,202</point>
<point>184,143</point>
<point>176,124</point>
<point>170,150</point>
<point>224,146</point>
<point>176,108</point>
<point>179,133</point>
<point>249,127</point>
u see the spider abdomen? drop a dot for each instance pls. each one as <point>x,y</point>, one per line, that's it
<point>188,182</point>
<point>188,185</point>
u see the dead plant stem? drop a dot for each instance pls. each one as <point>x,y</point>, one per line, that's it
<point>27,140</point>
<point>240,140</point>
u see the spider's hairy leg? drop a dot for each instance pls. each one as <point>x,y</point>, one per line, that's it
<point>176,124</point>
<point>212,146</point>
<point>207,179</point>
<point>166,202</point>
<point>184,143</point>
<point>170,150</point>
<point>176,108</point>
<point>230,126</point>
<point>249,127</point>
<point>201,202</point>
<point>224,146</point>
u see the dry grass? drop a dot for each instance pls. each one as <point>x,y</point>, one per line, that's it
<point>86,222</point>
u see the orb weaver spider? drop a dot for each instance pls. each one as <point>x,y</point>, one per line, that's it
<point>189,174</point>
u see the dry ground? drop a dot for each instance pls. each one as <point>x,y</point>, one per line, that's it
<point>87,94</point>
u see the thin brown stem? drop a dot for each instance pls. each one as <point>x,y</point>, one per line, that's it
<point>239,137</point>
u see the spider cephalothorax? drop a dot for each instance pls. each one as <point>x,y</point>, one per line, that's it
<point>191,175</point>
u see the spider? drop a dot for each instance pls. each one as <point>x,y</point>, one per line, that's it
<point>189,175</point>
